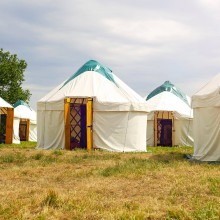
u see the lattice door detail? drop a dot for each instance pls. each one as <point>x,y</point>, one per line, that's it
<point>77,117</point>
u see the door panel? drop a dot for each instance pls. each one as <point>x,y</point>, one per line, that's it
<point>78,125</point>
<point>164,134</point>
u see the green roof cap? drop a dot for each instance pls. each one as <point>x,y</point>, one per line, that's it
<point>95,66</point>
<point>20,102</point>
<point>169,87</point>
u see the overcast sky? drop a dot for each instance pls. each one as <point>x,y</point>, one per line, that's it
<point>144,42</point>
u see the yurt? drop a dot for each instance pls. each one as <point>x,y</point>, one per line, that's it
<point>92,109</point>
<point>206,111</point>
<point>6,122</point>
<point>25,122</point>
<point>170,120</point>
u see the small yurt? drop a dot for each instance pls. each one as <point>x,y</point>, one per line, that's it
<point>92,109</point>
<point>6,122</point>
<point>206,111</point>
<point>170,118</point>
<point>25,122</point>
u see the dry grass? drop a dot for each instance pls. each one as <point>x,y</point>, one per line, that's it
<point>54,184</point>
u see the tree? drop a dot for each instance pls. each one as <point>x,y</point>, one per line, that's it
<point>11,78</point>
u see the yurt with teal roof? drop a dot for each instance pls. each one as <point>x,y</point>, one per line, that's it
<point>25,122</point>
<point>92,109</point>
<point>170,120</point>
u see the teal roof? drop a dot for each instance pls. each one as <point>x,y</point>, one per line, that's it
<point>20,102</point>
<point>93,65</point>
<point>169,87</point>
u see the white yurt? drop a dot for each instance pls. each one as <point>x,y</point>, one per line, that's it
<point>170,121</point>
<point>206,110</point>
<point>92,109</point>
<point>25,122</point>
<point>6,122</point>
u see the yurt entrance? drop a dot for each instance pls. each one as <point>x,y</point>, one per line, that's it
<point>24,129</point>
<point>163,128</point>
<point>6,125</point>
<point>78,123</point>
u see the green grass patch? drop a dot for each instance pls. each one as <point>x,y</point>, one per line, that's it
<point>133,166</point>
<point>22,145</point>
<point>37,156</point>
<point>164,150</point>
<point>51,200</point>
<point>214,186</point>
<point>207,211</point>
<point>92,156</point>
<point>17,158</point>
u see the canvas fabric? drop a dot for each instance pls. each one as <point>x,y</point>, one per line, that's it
<point>206,108</point>
<point>4,104</point>
<point>118,113</point>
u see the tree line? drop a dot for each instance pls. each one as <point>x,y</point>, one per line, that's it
<point>11,78</point>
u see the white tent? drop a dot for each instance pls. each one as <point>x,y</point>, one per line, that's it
<point>6,122</point>
<point>92,109</point>
<point>25,123</point>
<point>206,110</point>
<point>4,104</point>
<point>170,119</point>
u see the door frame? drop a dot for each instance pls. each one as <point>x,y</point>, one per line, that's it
<point>160,115</point>
<point>88,101</point>
<point>26,124</point>
<point>9,112</point>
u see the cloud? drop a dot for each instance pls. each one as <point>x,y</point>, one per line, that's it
<point>213,5</point>
<point>151,31</point>
<point>145,43</point>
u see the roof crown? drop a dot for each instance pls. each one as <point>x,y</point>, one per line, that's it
<point>20,102</point>
<point>93,65</point>
<point>169,87</point>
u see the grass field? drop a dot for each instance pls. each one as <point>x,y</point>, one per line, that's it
<point>58,184</point>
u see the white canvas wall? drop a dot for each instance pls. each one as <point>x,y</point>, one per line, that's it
<point>33,132</point>
<point>206,108</point>
<point>16,138</point>
<point>207,134</point>
<point>51,132</point>
<point>183,135</point>
<point>120,131</point>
